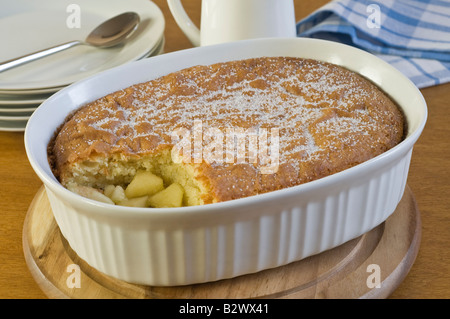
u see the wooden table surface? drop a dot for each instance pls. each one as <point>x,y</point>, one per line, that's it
<point>429,179</point>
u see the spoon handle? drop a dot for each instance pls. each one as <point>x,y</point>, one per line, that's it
<point>6,65</point>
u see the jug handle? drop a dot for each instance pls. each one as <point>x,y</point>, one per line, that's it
<point>184,22</point>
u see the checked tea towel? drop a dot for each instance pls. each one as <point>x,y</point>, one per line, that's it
<point>411,35</point>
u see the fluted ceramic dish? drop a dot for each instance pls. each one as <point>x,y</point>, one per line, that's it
<point>179,246</point>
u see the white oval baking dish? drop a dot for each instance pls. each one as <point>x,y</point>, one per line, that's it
<point>180,246</point>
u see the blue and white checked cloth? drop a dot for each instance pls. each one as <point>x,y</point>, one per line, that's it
<point>411,35</point>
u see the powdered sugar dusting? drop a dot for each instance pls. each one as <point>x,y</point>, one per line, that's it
<point>306,100</point>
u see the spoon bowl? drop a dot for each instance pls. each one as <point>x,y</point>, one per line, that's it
<point>110,33</point>
<point>114,31</point>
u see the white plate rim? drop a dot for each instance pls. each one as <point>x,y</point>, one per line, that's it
<point>13,126</point>
<point>157,50</point>
<point>145,8</point>
<point>18,110</point>
<point>20,101</point>
<point>14,118</point>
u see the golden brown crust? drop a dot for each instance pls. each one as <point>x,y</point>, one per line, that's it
<point>328,119</point>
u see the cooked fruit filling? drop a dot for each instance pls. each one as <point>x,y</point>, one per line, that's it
<point>145,190</point>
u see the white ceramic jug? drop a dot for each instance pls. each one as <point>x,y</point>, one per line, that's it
<point>232,20</point>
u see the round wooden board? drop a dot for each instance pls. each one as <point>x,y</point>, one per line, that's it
<point>384,255</point>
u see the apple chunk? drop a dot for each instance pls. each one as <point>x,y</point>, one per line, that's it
<point>90,193</point>
<point>172,196</point>
<point>134,202</point>
<point>117,195</point>
<point>144,183</point>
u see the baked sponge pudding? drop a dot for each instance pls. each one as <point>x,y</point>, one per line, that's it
<point>214,133</point>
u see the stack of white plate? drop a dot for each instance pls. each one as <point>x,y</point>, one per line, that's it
<point>29,26</point>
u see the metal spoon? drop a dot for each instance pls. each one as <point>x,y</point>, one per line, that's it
<point>110,33</point>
